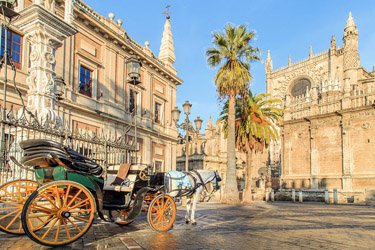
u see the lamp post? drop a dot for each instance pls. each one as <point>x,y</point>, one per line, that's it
<point>7,12</point>
<point>134,68</point>
<point>187,126</point>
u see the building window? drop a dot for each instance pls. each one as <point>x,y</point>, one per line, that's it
<point>13,45</point>
<point>85,81</point>
<point>133,96</point>
<point>300,86</point>
<point>157,112</point>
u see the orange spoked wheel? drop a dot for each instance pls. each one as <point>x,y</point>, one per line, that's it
<point>119,216</point>
<point>161,213</point>
<point>13,196</point>
<point>66,208</point>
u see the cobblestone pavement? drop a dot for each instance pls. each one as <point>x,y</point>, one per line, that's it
<point>258,226</point>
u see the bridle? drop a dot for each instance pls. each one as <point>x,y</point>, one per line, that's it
<point>203,183</point>
<point>218,179</point>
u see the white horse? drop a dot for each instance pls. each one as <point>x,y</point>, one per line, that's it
<point>191,185</point>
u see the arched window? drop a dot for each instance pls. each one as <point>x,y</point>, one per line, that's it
<point>299,87</point>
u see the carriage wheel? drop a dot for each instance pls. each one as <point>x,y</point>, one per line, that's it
<point>119,216</point>
<point>65,208</point>
<point>13,196</point>
<point>161,213</point>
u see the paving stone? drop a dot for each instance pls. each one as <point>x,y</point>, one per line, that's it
<point>258,226</point>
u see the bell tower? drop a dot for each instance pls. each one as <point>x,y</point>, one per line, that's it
<point>351,56</point>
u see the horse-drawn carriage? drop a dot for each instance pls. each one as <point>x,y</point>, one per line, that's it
<point>59,207</point>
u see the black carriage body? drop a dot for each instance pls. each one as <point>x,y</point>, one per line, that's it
<point>117,197</point>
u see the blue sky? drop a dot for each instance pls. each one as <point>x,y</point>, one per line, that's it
<point>287,27</point>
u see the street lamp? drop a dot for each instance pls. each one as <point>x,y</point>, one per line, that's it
<point>6,10</point>
<point>60,87</point>
<point>134,68</point>
<point>187,126</point>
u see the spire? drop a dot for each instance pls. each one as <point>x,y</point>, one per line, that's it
<point>268,62</point>
<point>209,123</point>
<point>350,27</point>
<point>351,56</point>
<point>350,21</point>
<point>289,60</point>
<point>310,52</point>
<point>333,42</point>
<point>166,53</point>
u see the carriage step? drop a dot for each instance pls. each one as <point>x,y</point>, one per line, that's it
<point>118,188</point>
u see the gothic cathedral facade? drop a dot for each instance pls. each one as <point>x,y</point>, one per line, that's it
<point>328,132</point>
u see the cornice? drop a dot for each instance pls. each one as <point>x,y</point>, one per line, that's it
<point>123,41</point>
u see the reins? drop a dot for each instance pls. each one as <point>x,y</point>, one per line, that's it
<point>201,180</point>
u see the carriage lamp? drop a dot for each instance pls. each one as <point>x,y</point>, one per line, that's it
<point>187,107</point>
<point>176,114</point>
<point>60,87</point>
<point>134,67</point>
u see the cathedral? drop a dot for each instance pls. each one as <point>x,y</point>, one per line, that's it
<point>327,137</point>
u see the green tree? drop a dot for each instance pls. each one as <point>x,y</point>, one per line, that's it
<point>257,118</point>
<point>233,53</point>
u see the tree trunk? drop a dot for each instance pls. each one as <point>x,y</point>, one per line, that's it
<point>247,196</point>
<point>230,193</point>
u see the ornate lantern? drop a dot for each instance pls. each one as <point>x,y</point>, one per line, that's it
<point>60,87</point>
<point>134,68</point>
<point>7,8</point>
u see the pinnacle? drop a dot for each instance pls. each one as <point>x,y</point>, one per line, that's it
<point>350,21</point>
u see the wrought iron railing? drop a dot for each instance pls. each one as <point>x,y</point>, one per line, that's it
<point>106,148</point>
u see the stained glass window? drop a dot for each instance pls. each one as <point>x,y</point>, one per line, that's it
<point>300,86</point>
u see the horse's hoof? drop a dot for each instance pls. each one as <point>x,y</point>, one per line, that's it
<point>187,222</point>
<point>194,223</point>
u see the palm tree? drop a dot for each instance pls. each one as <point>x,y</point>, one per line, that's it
<point>233,53</point>
<point>258,116</point>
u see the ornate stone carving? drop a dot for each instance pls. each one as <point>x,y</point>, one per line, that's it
<point>44,31</point>
<point>314,72</point>
<point>351,59</point>
<point>369,112</point>
<point>365,125</point>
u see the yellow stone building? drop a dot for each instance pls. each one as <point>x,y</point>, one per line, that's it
<point>327,136</point>
<point>89,51</point>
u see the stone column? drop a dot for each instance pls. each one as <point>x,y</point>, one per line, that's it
<point>346,102</point>
<point>68,15</point>
<point>46,32</point>
<point>147,144</point>
<point>347,160</point>
<point>314,157</point>
<point>20,5</point>
<point>293,195</point>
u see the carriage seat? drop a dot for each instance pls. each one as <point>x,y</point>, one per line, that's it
<point>122,178</point>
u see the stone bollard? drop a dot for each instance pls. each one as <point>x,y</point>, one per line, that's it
<point>335,196</point>
<point>293,195</point>
<point>326,196</point>
<point>300,197</point>
<point>272,195</point>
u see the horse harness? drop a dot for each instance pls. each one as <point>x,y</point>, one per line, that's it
<point>201,183</point>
